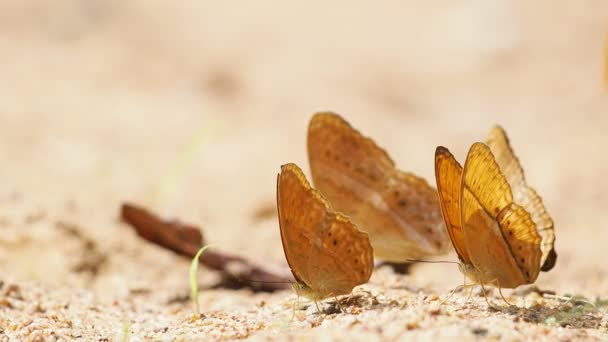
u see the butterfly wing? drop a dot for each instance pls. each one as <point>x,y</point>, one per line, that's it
<point>500,235</point>
<point>448,174</point>
<point>398,210</point>
<point>524,195</point>
<point>323,248</point>
<point>346,259</point>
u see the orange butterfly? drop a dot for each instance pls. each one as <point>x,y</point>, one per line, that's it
<point>497,223</point>
<point>398,210</point>
<point>327,254</point>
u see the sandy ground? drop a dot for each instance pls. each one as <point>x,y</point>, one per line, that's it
<point>190,110</point>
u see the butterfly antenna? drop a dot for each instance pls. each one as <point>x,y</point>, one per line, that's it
<point>433,261</point>
<point>244,280</point>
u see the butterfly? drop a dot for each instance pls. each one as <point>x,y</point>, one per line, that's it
<point>498,225</point>
<point>398,210</point>
<point>327,254</point>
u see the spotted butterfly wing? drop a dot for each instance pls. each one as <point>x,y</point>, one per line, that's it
<point>399,210</point>
<point>326,252</point>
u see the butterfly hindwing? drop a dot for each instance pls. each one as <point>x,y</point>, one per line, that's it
<point>346,257</point>
<point>520,232</point>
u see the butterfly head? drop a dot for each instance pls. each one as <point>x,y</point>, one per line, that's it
<point>470,271</point>
<point>477,275</point>
<point>301,289</point>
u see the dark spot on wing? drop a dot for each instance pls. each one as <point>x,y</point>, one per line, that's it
<point>480,331</point>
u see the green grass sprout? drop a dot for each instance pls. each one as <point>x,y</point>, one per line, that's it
<point>126,331</point>
<point>193,279</point>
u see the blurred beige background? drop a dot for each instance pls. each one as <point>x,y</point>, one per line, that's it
<point>191,107</point>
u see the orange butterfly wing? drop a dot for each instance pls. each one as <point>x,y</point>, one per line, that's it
<point>448,174</point>
<point>524,195</point>
<point>500,236</point>
<point>325,251</point>
<point>398,210</point>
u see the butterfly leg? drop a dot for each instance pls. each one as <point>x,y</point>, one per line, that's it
<point>464,284</point>
<point>483,288</point>
<point>470,292</point>
<point>295,303</point>
<point>338,304</point>
<point>318,309</point>
<point>451,294</point>
<point>457,288</point>
<point>460,287</point>
<point>503,297</point>
<point>293,311</point>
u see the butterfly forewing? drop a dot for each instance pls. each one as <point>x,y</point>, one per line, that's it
<point>334,146</point>
<point>298,227</point>
<point>448,173</point>
<point>399,210</point>
<point>483,178</point>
